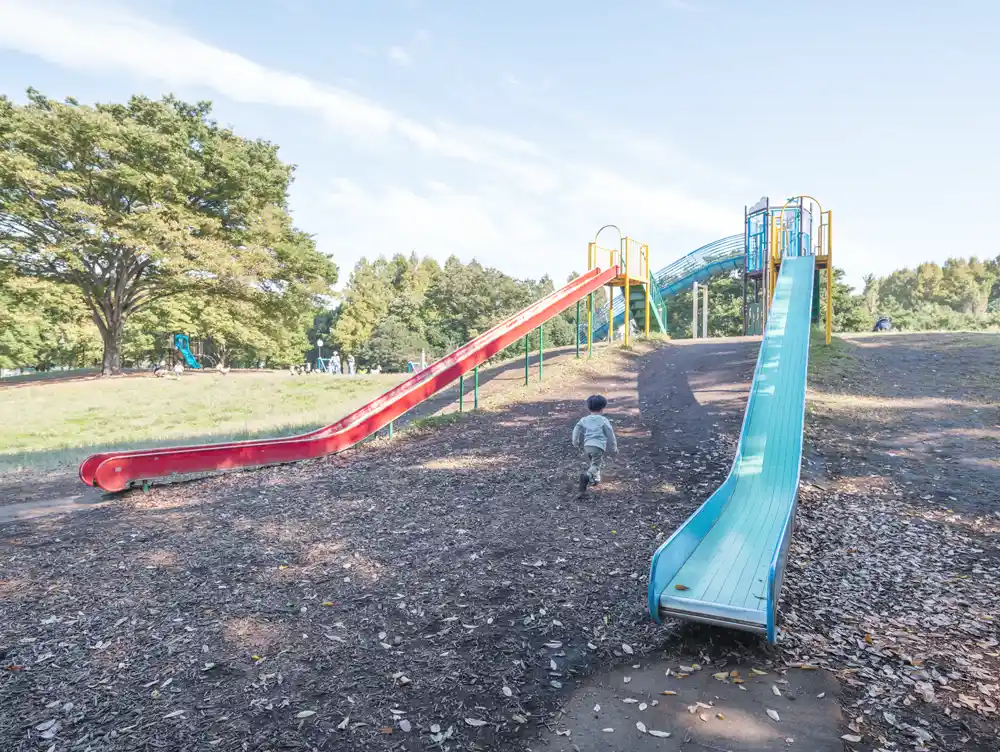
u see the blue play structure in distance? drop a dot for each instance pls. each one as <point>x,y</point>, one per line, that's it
<point>711,260</point>
<point>183,345</point>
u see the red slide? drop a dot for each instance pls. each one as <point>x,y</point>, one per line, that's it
<point>116,471</point>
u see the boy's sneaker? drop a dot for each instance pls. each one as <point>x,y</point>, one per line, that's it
<point>584,482</point>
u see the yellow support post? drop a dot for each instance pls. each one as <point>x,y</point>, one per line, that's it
<point>628,299</point>
<point>829,275</point>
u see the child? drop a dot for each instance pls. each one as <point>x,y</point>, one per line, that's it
<point>596,436</point>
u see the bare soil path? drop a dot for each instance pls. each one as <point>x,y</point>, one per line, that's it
<point>448,591</point>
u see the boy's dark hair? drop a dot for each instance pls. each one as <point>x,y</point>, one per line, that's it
<point>596,403</point>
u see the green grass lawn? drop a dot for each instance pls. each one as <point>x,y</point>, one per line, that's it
<point>53,425</point>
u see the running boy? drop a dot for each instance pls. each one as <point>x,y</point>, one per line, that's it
<point>597,438</point>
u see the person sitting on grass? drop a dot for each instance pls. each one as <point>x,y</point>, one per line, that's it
<point>594,434</point>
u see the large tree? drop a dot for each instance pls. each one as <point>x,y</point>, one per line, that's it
<point>134,203</point>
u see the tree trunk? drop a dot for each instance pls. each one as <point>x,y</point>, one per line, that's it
<point>112,363</point>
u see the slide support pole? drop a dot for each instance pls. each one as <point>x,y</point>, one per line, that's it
<point>475,389</point>
<point>540,353</point>
<point>578,329</point>
<point>525,359</point>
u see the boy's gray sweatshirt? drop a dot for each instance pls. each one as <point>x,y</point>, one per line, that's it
<point>595,431</point>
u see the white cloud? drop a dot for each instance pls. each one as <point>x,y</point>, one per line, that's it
<point>106,39</point>
<point>400,56</point>
<point>515,203</point>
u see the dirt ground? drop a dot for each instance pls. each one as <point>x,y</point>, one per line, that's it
<point>448,591</point>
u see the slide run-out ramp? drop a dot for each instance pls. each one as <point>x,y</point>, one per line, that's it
<point>724,564</point>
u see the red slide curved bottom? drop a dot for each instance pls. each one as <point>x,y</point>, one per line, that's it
<point>117,471</point>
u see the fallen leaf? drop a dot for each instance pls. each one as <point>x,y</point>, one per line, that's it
<point>563,732</point>
<point>475,722</point>
<point>405,725</point>
<point>305,713</point>
<point>659,734</point>
<point>597,708</point>
<point>774,714</point>
<point>630,700</point>
<point>758,672</point>
<point>681,587</point>
<point>435,728</point>
<point>720,716</point>
<point>852,738</point>
<point>627,649</point>
<point>518,718</point>
<point>507,692</point>
<point>775,691</point>
<point>643,706</point>
<point>821,695</point>
<point>627,679</point>
<point>46,725</point>
<point>641,726</point>
<point>721,675</point>
<point>668,692</point>
<point>608,730</point>
<point>174,714</point>
<point>343,724</point>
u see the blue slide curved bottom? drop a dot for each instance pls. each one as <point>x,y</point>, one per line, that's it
<point>724,564</point>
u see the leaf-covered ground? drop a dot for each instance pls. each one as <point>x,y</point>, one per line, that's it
<point>447,590</point>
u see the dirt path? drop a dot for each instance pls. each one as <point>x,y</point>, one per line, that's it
<point>894,574</point>
<point>452,564</point>
<point>448,590</point>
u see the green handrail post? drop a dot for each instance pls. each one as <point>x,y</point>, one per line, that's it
<point>525,359</point>
<point>539,353</point>
<point>461,392</point>
<point>590,328</point>
<point>475,389</point>
<point>578,328</point>
<point>390,429</point>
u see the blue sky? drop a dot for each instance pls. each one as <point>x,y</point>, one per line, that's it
<point>511,131</point>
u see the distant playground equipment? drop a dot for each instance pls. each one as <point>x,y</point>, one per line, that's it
<point>182,343</point>
<point>884,324</point>
<point>725,564</point>
<point>646,309</point>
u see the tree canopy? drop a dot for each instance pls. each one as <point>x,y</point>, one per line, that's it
<point>128,205</point>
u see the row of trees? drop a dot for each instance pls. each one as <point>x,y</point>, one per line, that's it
<point>961,294</point>
<point>394,309</point>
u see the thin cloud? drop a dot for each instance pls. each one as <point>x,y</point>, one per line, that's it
<point>400,56</point>
<point>519,195</point>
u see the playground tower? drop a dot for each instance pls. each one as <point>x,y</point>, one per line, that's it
<point>798,227</point>
<point>644,305</point>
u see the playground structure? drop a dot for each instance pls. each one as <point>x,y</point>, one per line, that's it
<point>182,344</point>
<point>794,224</point>
<point>725,563</point>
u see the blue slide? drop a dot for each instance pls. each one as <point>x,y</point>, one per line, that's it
<point>724,564</point>
<point>183,345</point>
